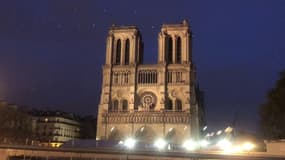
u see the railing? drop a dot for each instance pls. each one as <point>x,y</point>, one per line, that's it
<point>146,117</point>
<point>115,153</point>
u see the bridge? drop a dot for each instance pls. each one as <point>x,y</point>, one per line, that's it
<point>11,152</point>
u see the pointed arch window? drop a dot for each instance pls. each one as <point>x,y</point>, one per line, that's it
<point>178,105</point>
<point>115,105</point>
<point>125,105</point>
<point>118,52</point>
<point>169,50</point>
<point>178,50</point>
<point>127,52</point>
<point>169,105</point>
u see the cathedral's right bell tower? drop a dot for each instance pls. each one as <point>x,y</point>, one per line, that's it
<point>175,44</point>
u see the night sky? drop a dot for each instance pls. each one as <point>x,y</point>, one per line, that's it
<point>52,51</point>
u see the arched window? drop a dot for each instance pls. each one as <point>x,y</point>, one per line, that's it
<point>127,52</point>
<point>169,51</point>
<point>115,105</point>
<point>169,105</point>
<point>125,105</point>
<point>118,52</point>
<point>151,107</point>
<point>178,105</point>
<point>178,50</point>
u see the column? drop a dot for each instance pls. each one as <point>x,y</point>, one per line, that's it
<point>185,53</point>
<point>137,54</point>
<point>174,49</point>
<point>123,47</point>
<point>161,47</point>
<point>109,46</point>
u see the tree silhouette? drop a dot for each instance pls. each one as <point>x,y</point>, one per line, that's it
<point>16,125</point>
<point>272,112</point>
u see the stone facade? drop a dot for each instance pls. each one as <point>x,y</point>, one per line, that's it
<point>149,101</point>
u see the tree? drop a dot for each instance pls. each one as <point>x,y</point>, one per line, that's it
<point>16,125</point>
<point>272,112</point>
<point>88,127</point>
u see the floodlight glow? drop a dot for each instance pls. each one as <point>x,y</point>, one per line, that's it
<point>237,149</point>
<point>204,143</point>
<point>121,142</point>
<point>189,145</point>
<point>233,149</point>
<point>224,144</point>
<point>228,129</point>
<point>160,143</point>
<point>248,146</point>
<point>130,143</point>
<point>219,132</point>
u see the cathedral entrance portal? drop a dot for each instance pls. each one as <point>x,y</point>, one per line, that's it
<point>145,134</point>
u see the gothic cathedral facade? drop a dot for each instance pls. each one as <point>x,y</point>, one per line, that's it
<point>149,101</point>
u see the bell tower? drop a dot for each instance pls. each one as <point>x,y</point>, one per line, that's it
<point>174,43</point>
<point>124,46</point>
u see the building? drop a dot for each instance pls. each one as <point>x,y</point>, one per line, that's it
<point>55,128</point>
<point>149,101</point>
<point>275,147</point>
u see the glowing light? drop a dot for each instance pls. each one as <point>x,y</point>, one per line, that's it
<point>205,128</point>
<point>55,145</point>
<point>130,143</point>
<point>233,149</point>
<point>219,132</point>
<point>189,145</point>
<point>237,149</point>
<point>160,143</point>
<point>248,146</point>
<point>204,143</point>
<point>121,142</point>
<point>169,147</point>
<point>224,144</point>
<point>228,129</point>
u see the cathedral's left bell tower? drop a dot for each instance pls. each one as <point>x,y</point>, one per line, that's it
<point>124,46</point>
<point>124,52</point>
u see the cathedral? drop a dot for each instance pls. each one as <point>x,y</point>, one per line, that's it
<point>150,101</point>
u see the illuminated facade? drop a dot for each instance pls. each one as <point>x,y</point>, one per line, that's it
<point>149,101</point>
<point>55,128</point>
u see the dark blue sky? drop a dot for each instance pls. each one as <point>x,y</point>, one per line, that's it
<point>52,52</point>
